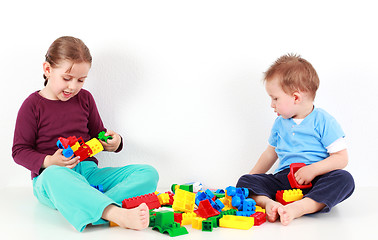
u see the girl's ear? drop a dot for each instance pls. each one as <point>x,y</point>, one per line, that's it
<point>46,69</point>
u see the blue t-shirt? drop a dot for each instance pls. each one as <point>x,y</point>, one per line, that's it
<point>305,142</point>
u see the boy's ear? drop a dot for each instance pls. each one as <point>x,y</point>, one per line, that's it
<point>46,69</point>
<point>297,97</point>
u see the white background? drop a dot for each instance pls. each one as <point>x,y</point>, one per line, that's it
<point>181,81</point>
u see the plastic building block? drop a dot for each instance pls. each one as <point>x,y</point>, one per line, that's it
<point>215,220</point>
<point>99,187</point>
<point>177,217</point>
<point>259,209</point>
<point>164,198</point>
<point>207,226</point>
<point>186,187</point>
<point>150,199</point>
<point>229,212</point>
<point>205,210</point>
<point>197,222</point>
<point>165,223</point>
<point>294,167</point>
<point>95,145</point>
<point>248,208</point>
<point>279,198</point>
<point>259,217</point>
<point>113,224</point>
<point>76,146</point>
<point>102,136</point>
<point>238,222</point>
<point>187,218</point>
<point>152,220</point>
<point>183,201</point>
<point>292,195</point>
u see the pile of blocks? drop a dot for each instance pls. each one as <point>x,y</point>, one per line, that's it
<point>204,210</point>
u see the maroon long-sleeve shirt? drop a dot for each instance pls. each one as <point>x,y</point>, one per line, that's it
<point>40,122</point>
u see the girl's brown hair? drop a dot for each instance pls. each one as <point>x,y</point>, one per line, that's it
<point>294,73</point>
<point>67,48</point>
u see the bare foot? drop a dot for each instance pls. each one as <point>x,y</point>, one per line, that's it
<point>298,209</point>
<point>271,208</point>
<point>136,218</point>
<point>287,214</point>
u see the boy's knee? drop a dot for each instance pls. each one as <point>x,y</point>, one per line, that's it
<point>346,178</point>
<point>245,180</point>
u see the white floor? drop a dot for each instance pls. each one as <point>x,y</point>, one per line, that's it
<point>23,217</point>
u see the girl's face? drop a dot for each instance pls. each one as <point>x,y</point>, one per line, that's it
<point>64,80</point>
<point>282,103</point>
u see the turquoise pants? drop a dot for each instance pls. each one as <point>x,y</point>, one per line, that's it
<point>69,190</point>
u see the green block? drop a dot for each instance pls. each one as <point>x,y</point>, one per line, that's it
<point>207,226</point>
<point>104,138</point>
<point>165,223</point>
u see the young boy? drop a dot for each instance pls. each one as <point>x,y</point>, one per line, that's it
<point>301,133</point>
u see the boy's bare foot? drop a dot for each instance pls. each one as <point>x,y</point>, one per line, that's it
<point>287,214</point>
<point>271,208</point>
<point>136,218</point>
<point>298,209</point>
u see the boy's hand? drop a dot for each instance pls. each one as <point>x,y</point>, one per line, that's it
<point>58,159</point>
<point>305,175</point>
<point>112,144</point>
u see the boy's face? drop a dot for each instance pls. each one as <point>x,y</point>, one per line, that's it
<point>282,103</point>
<point>64,83</point>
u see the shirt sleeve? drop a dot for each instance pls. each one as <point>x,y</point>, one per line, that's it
<point>24,140</point>
<point>95,124</point>
<point>329,130</point>
<point>273,134</point>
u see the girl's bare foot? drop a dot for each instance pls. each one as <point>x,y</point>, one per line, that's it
<point>136,218</point>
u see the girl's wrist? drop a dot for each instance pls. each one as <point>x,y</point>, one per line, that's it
<point>46,161</point>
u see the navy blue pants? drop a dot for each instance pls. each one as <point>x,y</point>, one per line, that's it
<point>330,188</point>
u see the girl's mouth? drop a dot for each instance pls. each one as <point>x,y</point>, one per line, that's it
<point>67,94</point>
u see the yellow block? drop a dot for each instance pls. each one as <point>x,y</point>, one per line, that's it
<point>163,198</point>
<point>292,195</point>
<point>259,209</point>
<point>95,145</point>
<point>197,222</point>
<point>238,222</point>
<point>184,201</point>
<point>75,146</point>
<point>187,218</point>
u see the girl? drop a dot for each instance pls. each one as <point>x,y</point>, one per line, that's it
<point>62,109</point>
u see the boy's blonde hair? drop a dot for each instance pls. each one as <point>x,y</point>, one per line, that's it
<point>294,73</point>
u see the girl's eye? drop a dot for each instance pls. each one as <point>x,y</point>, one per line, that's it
<point>66,79</point>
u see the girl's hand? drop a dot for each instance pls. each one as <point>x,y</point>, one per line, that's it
<point>112,144</point>
<point>58,159</point>
<point>305,175</point>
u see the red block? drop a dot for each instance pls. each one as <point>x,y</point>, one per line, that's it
<point>279,198</point>
<point>259,217</point>
<point>205,210</point>
<point>150,199</point>
<point>178,217</point>
<point>293,169</point>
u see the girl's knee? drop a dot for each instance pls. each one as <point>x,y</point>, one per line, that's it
<point>53,171</point>
<point>151,174</point>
